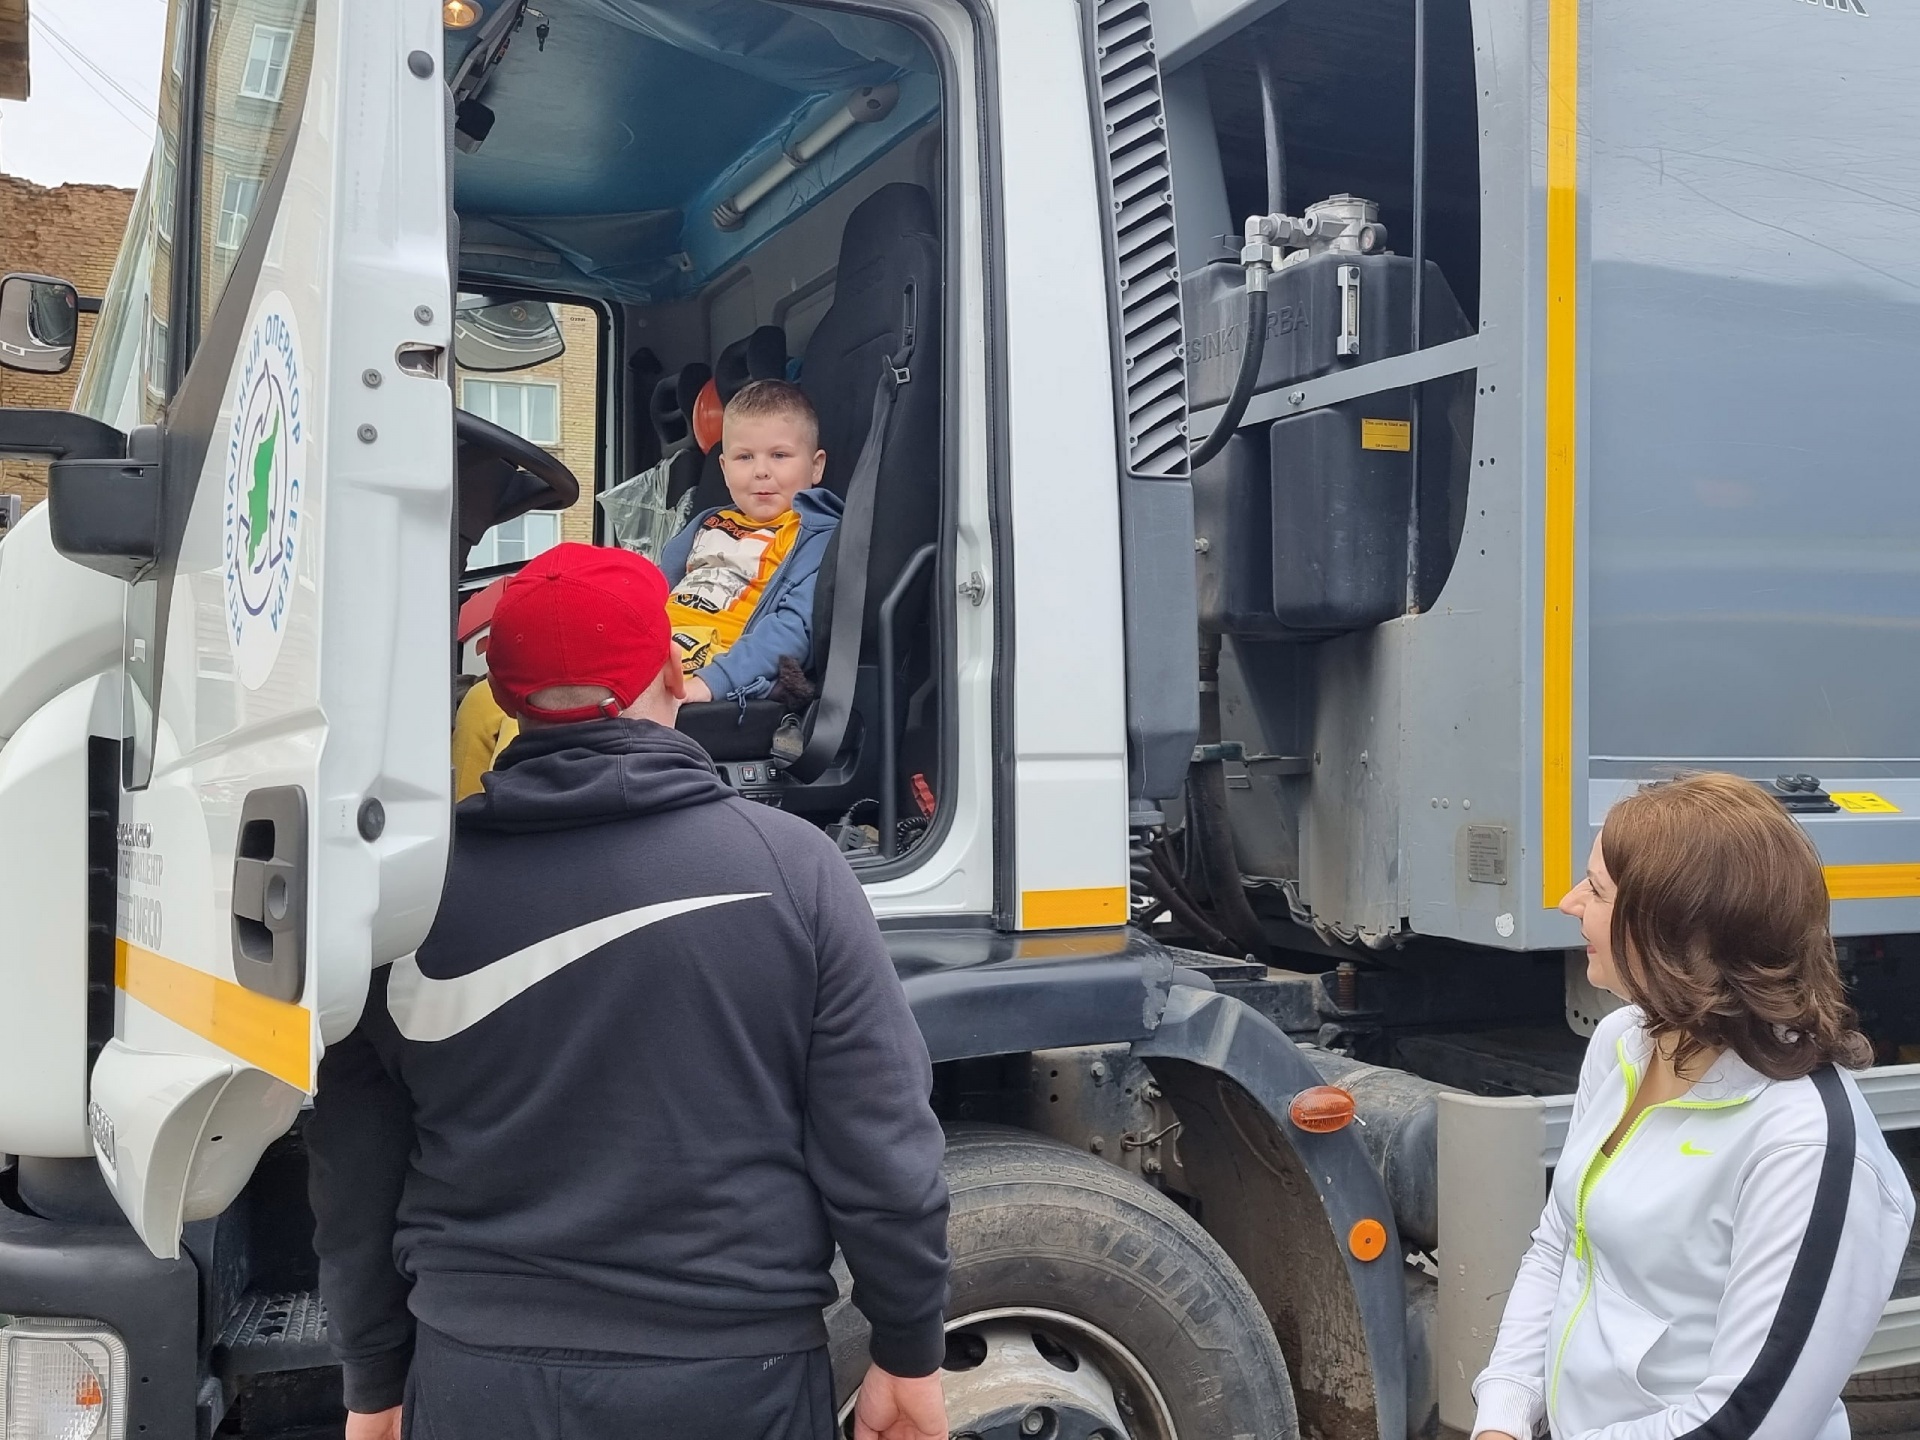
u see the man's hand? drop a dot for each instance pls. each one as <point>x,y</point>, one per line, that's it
<point>381,1425</point>
<point>698,692</point>
<point>892,1408</point>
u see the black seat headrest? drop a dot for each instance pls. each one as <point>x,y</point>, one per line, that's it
<point>761,356</point>
<point>671,405</point>
<point>877,227</point>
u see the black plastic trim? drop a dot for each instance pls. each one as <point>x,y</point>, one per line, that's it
<point>981,992</point>
<point>103,1272</point>
<point>30,434</point>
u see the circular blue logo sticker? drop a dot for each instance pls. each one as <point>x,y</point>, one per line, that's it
<point>265,475</point>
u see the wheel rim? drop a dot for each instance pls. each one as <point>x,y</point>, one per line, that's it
<point>1022,1373</point>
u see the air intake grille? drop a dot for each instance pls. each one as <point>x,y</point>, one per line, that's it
<point>1146,273</point>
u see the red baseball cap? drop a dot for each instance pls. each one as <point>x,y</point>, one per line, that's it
<point>579,615</point>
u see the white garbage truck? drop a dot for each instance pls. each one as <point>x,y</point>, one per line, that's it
<point>1302,462</point>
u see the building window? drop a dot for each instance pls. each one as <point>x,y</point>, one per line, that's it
<point>157,358</point>
<point>165,183</point>
<point>266,72</point>
<point>517,541</point>
<point>237,197</point>
<point>531,411</point>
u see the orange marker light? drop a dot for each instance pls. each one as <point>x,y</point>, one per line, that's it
<point>1321,1109</point>
<point>1367,1239</point>
<point>458,14</point>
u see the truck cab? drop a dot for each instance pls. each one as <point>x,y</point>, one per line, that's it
<point>1280,515</point>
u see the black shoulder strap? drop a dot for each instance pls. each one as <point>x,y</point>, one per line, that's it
<point>1747,1406</point>
<point>853,543</point>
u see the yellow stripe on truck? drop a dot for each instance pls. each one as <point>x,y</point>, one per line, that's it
<point>1873,882</point>
<point>1073,909</point>
<point>268,1034</point>
<point>1562,437</point>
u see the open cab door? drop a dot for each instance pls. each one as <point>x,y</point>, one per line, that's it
<point>284,789</point>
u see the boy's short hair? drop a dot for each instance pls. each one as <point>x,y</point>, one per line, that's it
<point>759,398</point>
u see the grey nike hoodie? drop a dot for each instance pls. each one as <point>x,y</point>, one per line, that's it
<point>649,1067</point>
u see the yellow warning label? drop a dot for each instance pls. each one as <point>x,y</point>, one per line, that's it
<point>1863,802</point>
<point>1386,435</point>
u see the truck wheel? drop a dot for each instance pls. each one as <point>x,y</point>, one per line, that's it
<point>1088,1306</point>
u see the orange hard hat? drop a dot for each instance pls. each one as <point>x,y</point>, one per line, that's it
<point>707,411</point>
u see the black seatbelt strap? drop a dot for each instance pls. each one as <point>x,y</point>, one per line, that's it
<point>854,546</point>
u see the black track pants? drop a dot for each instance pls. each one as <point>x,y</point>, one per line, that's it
<point>461,1392</point>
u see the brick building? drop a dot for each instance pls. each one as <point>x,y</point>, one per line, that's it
<point>73,232</point>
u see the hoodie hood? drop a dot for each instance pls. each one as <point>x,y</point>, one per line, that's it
<point>568,776</point>
<point>818,508</point>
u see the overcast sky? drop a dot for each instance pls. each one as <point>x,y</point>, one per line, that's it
<point>90,119</point>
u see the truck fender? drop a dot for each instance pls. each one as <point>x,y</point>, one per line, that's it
<point>1285,1204</point>
<point>1281,1202</point>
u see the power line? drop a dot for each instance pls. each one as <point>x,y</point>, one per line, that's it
<point>73,53</point>
<point>106,99</point>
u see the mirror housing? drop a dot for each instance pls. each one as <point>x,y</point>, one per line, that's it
<point>105,513</point>
<point>104,496</point>
<point>492,337</point>
<point>39,324</point>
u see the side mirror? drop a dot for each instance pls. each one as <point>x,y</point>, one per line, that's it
<point>494,336</point>
<point>39,324</point>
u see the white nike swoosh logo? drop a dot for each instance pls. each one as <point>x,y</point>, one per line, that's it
<point>426,1009</point>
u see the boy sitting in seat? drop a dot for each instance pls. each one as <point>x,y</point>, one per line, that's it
<point>742,575</point>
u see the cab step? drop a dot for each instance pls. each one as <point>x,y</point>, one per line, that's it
<point>271,1333</point>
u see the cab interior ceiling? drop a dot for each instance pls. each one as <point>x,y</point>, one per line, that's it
<point>1343,72</point>
<point>616,134</point>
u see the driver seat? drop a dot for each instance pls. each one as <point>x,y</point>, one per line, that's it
<point>886,308</point>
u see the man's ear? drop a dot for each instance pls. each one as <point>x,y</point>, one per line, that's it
<point>505,702</point>
<point>675,680</point>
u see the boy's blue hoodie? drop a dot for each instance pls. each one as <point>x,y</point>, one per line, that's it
<point>782,623</point>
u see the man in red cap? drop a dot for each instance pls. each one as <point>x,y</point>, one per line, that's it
<point>581,1168</point>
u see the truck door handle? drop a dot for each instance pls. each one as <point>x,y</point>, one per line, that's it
<point>270,892</point>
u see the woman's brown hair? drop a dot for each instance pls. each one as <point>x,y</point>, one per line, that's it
<point>1720,927</point>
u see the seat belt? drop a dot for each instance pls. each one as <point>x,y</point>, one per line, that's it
<point>854,546</point>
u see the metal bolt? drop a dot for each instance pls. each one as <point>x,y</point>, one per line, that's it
<point>1149,1091</point>
<point>1363,757</point>
<point>1151,1165</point>
<point>371,379</point>
<point>367,434</point>
<point>1099,1071</point>
<point>1201,544</point>
<point>1297,397</point>
<point>1097,1144</point>
<point>1466,804</point>
<point>423,313</point>
<point>1033,1422</point>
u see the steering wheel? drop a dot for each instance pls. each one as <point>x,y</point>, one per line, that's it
<point>512,475</point>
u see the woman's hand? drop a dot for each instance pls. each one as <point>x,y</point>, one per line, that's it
<point>698,692</point>
<point>381,1425</point>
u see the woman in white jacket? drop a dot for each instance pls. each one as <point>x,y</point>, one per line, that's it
<point>1725,1223</point>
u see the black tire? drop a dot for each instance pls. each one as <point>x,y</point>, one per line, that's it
<point>1037,1225</point>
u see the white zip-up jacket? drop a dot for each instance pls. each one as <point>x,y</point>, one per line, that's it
<point>1718,1276</point>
